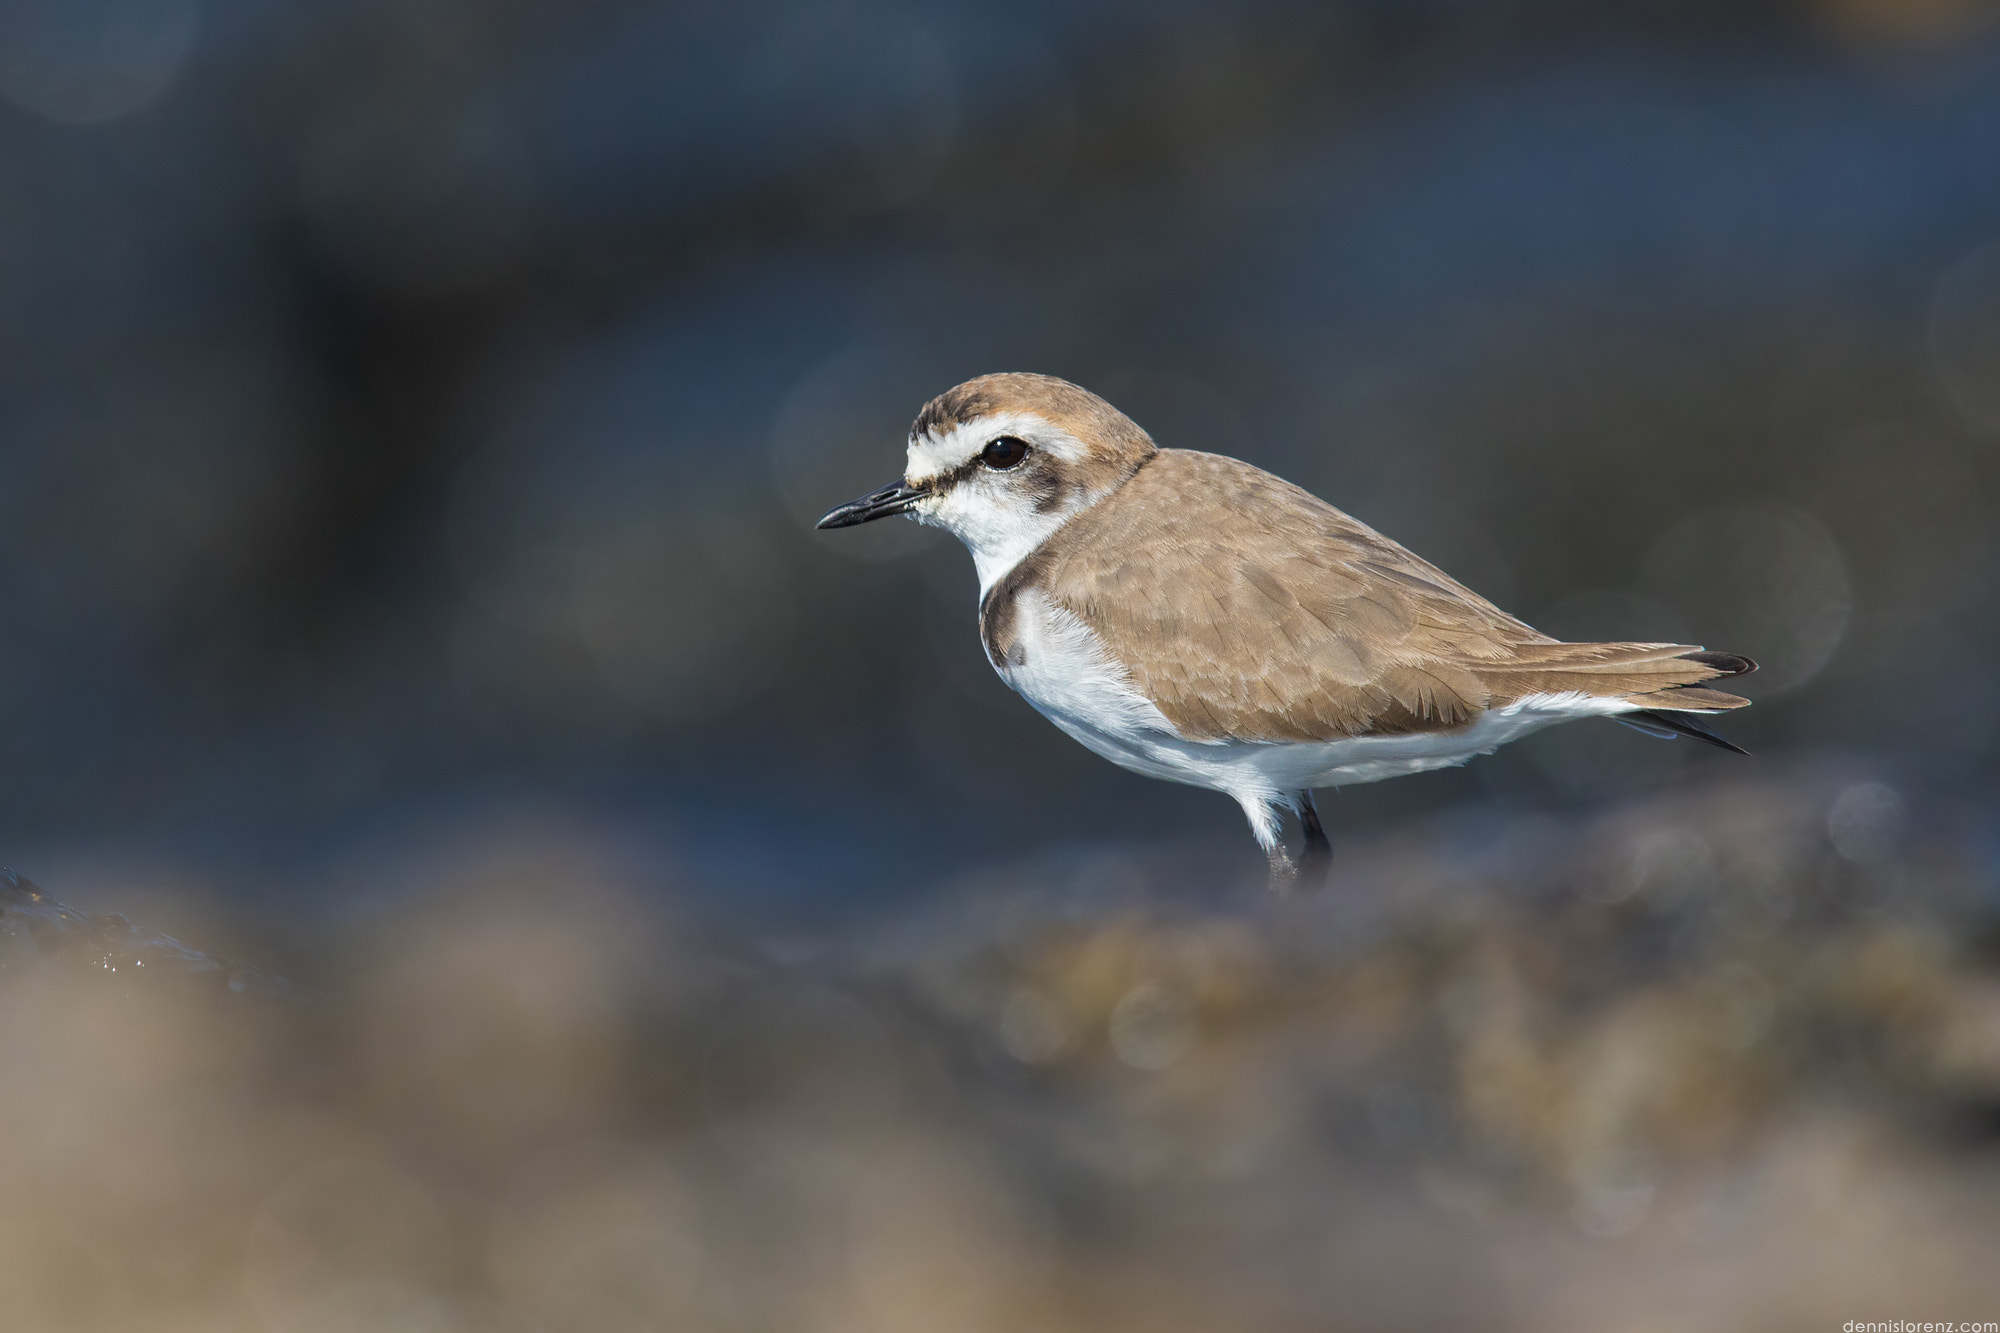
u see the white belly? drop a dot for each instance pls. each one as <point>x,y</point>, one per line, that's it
<point>1068,677</point>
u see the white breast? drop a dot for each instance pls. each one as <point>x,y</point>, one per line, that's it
<point>1059,665</point>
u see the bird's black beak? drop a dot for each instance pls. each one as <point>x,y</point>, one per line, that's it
<point>896,499</point>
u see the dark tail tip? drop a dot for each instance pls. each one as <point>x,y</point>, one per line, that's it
<point>1729,664</point>
<point>1679,724</point>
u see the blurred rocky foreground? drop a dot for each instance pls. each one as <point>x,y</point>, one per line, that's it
<point>1729,1059</point>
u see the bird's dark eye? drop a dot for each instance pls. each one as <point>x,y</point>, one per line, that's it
<point>1004,453</point>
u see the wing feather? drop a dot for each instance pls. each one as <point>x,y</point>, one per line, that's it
<point>1248,609</point>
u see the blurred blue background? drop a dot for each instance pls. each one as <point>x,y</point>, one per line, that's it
<point>413,413</point>
<point>412,418</point>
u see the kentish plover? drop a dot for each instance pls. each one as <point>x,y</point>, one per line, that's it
<point>1194,618</point>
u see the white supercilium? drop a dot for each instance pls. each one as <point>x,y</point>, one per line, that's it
<point>997,523</point>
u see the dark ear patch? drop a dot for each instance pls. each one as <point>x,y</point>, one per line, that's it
<point>1045,483</point>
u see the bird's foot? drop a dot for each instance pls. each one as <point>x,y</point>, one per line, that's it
<point>1284,873</point>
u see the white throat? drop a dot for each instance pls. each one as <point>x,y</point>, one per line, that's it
<point>1000,549</point>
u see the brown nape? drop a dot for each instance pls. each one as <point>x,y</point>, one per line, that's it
<point>1248,609</point>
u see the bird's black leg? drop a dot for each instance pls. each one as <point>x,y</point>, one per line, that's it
<point>1318,854</point>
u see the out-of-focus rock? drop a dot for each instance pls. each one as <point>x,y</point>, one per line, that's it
<point>1522,1074</point>
<point>34,926</point>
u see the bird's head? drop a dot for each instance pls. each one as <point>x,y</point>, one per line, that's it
<point>1002,461</point>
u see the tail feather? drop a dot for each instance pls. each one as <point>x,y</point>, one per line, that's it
<point>1665,682</point>
<point>1726,664</point>
<point>1668,725</point>
<point>1653,675</point>
<point>1690,699</point>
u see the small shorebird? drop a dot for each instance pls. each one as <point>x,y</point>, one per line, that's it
<point>1194,618</point>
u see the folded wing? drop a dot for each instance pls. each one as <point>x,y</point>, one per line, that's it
<point>1250,609</point>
